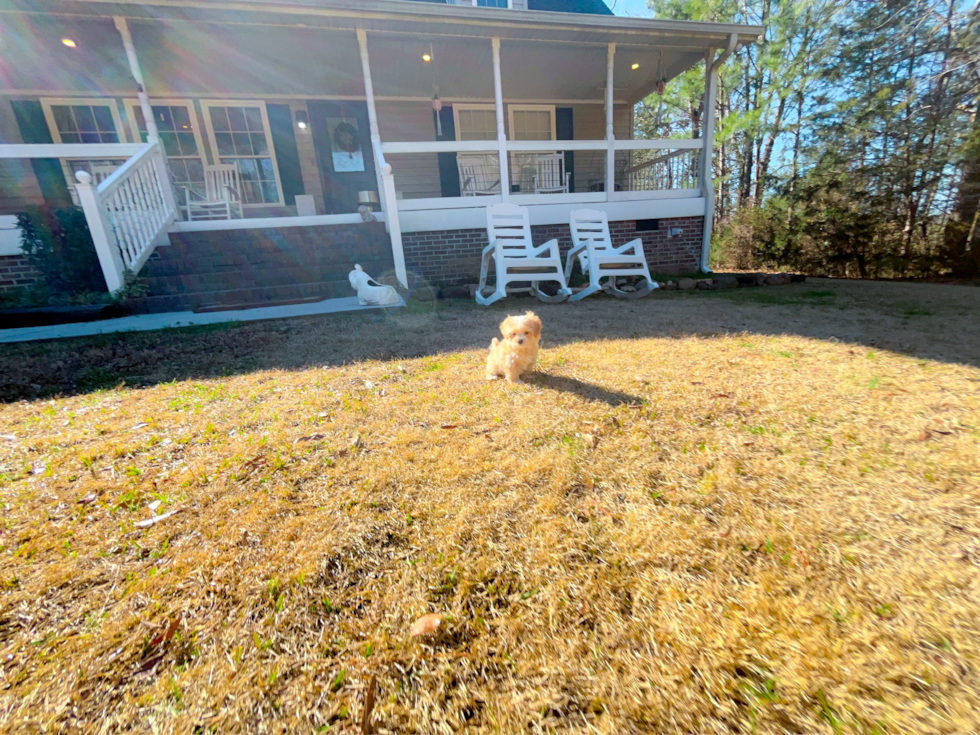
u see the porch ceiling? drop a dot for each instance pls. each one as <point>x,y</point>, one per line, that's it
<point>544,55</point>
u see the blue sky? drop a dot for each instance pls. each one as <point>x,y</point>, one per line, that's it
<point>634,8</point>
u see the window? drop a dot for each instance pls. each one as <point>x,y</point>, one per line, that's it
<point>532,122</point>
<point>475,122</point>
<point>492,3</point>
<point>84,123</point>
<point>76,120</point>
<point>239,134</point>
<point>181,140</point>
<point>529,122</point>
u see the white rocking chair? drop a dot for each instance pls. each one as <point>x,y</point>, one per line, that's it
<point>550,176</point>
<point>102,171</point>
<point>592,246</point>
<point>516,258</point>
<point>478,176</point>
<point>222,194</point>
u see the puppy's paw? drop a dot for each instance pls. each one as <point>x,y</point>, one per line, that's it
<point>492,377</point>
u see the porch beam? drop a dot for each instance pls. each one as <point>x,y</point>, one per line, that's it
<point>152,134</point>
<point>498,102</point>
<point>610,131</point>
<point>712,65</point>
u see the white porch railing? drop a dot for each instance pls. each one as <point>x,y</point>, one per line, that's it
<point>673,173</point>
<point>128,213</point>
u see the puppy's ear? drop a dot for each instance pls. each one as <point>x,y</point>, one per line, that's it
<point>532,320</point>
<point>506,325</point>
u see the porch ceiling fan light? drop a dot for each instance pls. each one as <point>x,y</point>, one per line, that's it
<point>69,42</point>
<point>635,66</point>
<point>426,57</point>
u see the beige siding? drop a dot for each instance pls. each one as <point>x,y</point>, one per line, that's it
<point>416,174</point>
<point>18,185</point>
<point>312,182</point>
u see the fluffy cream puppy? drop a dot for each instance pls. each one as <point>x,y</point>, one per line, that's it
<point>514,355</point>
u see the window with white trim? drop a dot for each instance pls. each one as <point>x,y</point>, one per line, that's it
<point>82,121</point>
<point>492,3</point>
<point>532,122</point>
<point>239,134</point>
<point>475,122</point>
<point>181,140</point>
<point>85,123</point>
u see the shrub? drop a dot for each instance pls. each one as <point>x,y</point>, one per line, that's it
<point>59,247</point>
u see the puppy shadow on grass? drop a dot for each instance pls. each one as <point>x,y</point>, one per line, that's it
<point>588,391</point>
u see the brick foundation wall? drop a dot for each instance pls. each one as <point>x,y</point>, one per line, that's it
<point>16,272</point>
<point>263,265</point>
<point>452,257</point>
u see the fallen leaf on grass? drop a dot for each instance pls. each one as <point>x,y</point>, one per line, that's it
<point>366,727</point>
<point>8,437</point>
<point>310,438</point>
<point>86,499</point>
<point>37,468</point>
<point>448,426</point>
<point>425,625</point>
<point>723,395</point>
<point>165,636</point>
<point>589,440</point>
<point>155,519</point>
<point>139,426</point>
<point>152,507</point>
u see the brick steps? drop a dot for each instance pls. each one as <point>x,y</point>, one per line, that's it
<point>250,268</point>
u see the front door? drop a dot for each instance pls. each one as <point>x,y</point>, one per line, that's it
<point>342,139</point>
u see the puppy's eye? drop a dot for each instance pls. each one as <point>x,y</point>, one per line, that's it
<point>526,333</point>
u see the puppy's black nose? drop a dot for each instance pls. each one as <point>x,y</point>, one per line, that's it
<point>520,341</point>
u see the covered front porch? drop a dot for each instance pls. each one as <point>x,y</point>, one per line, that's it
<point>426,114</point>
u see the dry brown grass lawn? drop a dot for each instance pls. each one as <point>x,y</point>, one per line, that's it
<point>736,512</point>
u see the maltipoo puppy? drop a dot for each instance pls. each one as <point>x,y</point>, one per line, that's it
<point>514,356</point>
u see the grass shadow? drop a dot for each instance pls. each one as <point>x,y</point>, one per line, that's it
<point>586,391</point>
<point>928,321</point>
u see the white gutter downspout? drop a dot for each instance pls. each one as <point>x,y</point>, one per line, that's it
<point>707,169</point>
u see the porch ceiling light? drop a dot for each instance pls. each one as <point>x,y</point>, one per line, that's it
<point>302,119</point>
<point>68,42</point>
<point>426,57</point>
<point>635,66</point>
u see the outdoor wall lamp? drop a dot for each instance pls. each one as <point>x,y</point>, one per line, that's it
<point>302,119</point>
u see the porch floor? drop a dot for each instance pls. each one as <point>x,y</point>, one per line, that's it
<point>169,320</point>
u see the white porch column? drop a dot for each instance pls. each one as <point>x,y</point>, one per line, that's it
<point>372,116</point>
<point>498,99</point>
<point>707,166</point>
<point>382,170</point>
<point>134,68</point>
<point>152,134</point>
<point>610,131</point>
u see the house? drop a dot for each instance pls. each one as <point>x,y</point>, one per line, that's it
<point>222,150</point>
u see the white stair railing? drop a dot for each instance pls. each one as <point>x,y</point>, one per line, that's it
<point>390,203</point>
<point>128,213</point>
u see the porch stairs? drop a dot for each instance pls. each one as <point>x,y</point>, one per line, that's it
<point>261,267</point>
